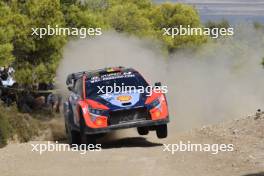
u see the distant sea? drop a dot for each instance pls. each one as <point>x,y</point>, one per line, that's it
<point>235,11</point>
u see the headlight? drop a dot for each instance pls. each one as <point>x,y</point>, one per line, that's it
<point>96,111</point>
<point>154,103</point>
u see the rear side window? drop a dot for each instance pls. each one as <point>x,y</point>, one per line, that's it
<point>79,87</point>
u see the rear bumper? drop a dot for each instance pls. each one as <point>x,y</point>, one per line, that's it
<point>134,124</point>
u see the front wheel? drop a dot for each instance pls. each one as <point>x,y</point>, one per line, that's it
<point>86,139</point>
<point>162,131</point>
<point>73,136</point>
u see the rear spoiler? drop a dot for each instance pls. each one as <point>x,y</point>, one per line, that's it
<point>71,78</point>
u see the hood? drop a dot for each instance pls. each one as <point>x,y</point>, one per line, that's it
<point>121,100</point>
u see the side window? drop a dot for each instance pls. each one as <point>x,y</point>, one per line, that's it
<point>79,87</point>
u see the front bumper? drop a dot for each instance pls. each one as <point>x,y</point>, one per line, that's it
<point>132,124</point>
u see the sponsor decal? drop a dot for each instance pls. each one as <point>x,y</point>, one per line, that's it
<point>112,76</point>
<point>123,98</point>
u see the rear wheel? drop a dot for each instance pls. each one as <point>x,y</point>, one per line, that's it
<point>142,130</point>
<point>162,131</point>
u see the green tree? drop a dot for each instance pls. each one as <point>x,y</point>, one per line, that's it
<point>171,15</point>
<point>142,4</point>
<point>6,35</point>
<point>35,55</point>
<point>78,17</point>
<point>36,59</point>
<point>129,18</point>
<point>221,24</point>
<point>258,26</point>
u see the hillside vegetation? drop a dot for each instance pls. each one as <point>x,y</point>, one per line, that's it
<point>16,126</point>
<point>36,59</point>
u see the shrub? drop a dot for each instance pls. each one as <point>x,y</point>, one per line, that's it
<point>14,125</point>
<point>4,130</point>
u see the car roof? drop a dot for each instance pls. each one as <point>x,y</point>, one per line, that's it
<point>109,70</point>
<point>99,72</point>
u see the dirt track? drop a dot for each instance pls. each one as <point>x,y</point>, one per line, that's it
<point>130,155</point>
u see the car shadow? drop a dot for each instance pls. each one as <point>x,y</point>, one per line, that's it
<point>255,174</point>
<point>122,143</point>
<point>129,142</point>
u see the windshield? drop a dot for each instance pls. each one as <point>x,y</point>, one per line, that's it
<point>114,84</point>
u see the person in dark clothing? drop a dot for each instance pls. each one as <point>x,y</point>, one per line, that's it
<point>54,100</point>
<point>4,74</point>
<point>25,102</point>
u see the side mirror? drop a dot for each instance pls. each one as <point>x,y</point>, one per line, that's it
<point>70,88</point>
<point>157,84</point>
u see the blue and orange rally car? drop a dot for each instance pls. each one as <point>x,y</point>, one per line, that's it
<point>90,111</point>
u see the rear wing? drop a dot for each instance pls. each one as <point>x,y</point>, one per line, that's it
<point>71,78</point>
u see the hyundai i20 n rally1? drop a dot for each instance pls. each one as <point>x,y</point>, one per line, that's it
<point>94,108</point>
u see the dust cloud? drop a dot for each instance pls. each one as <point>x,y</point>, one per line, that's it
<point>222,80</point>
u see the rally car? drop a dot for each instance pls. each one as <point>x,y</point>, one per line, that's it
<point>94,108</point>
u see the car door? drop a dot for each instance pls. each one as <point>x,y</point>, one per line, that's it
<point>75,97</point>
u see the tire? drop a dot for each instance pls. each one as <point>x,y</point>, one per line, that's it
<point>73,136</point>
<point>91,139</point>
<point>1,88</point>
<point>86,139</point>
<point>162,131</point>
<point>142,130</point>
